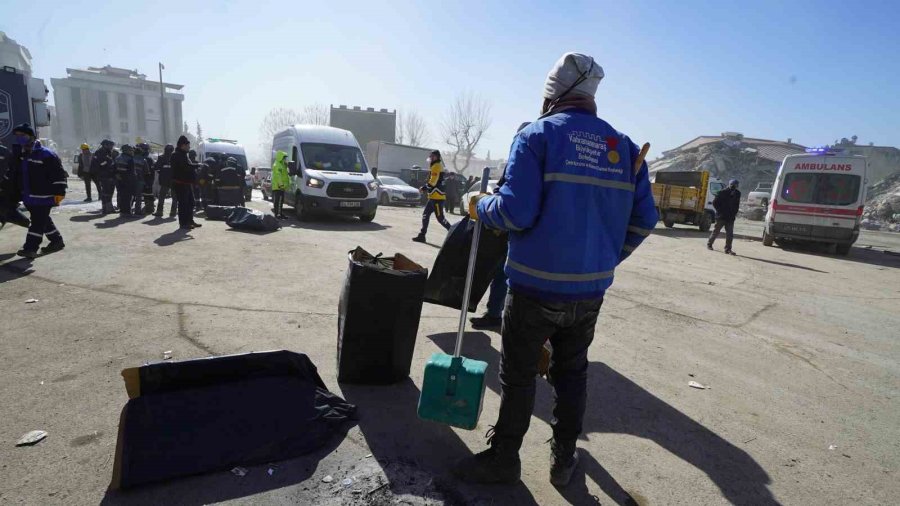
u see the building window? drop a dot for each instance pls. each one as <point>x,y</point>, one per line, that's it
<point>141,114</point>
<point>123,127</point>
<point>123,106</point>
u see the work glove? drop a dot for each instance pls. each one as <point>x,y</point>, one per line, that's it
<point>58,198</point>
<point>473,205</point>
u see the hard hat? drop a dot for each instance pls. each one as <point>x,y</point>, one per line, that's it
<point>85,146</point>
<point>734,182</point>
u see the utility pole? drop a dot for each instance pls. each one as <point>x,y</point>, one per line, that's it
<point>162,102</point>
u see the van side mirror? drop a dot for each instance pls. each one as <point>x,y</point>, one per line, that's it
<point>292,168</point>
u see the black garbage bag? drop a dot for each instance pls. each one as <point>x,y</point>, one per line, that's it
<point>9,212</point>
<point>220,212</point>
<point>378,318</point>
<point>448,275</point>
<point>211,414</point>
<point>242,218</point>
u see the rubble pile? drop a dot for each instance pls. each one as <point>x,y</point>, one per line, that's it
<point>883,204</point>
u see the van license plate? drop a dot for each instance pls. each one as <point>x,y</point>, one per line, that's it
<point>349,204</point>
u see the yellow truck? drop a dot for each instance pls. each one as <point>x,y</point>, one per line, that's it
<point>686,197</point>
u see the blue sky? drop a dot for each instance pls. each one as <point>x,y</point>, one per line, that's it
<point>813,71</point>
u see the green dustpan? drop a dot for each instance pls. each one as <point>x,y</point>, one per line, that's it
<point>453,386</point>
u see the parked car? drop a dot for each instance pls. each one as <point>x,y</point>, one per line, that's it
<point>394,191</point>
<point>475,189</point>
<point>261,174</point>
<point>249,180</point>
<point>760,196</point>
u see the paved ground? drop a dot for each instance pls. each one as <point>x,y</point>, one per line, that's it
<point>799,350</point>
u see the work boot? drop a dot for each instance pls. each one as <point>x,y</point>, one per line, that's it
<point>709,246</point>
<point>196,225</point>
<point>88,200</point>
<point>499,464</point>
<point>419,238</point>
<point>53,247</point>
<point>563,460</point>
<point>27,253</point>
<point>486,322</point>
<point>158,214</point>
<point>730,251</point>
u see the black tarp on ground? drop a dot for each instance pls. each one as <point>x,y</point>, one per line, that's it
<point>250,219</point>
<point>9,212</point>
<point>203,415</point>
<point>378,318</point>
<point>219,212</point>
<point>448,275</point>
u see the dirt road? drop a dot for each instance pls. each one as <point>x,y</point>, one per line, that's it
<point>799,351</point>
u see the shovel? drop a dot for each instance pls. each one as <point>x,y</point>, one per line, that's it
<point>453,386</point>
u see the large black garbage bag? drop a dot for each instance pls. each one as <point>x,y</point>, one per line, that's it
<point>211,414</point>
<point>250,219</point>
<point>378,318</point>
<point>9,212</point>
<point>448,275</point>
<point>219,212</point>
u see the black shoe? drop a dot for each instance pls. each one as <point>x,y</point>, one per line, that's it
<point>730,252</point>
<point>27,254</point>
<point>709,247</point>
<point>486,322</point>
<point>419,238</point>
<point>282,217</point>
<point>173,215</point>
<point>53,247</point>
<point>88,200</point>
<point>563,461</point>
<point>196,225</point>
<point>489,467</point>
<point>158,215</point>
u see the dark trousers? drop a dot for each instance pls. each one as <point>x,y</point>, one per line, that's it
<point>138,196</point>
<point>88,179</point>
<point>124,191</point>
<point>527,323</point>
<point>497,295</point>
<point>277,202</point>
<point>435,207</point>
<point>452,200</point>
<point>729,232</point>
<point>185,195</point>
<point>163,193</point>
<point>41,225</point>
<point>107,189</point>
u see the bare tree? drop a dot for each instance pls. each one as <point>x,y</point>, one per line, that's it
<point>277,119</point>
<point>316,114</point>
<point>467,120</point>
<point>411,128</point>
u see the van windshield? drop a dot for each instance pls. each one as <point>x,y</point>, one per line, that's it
<point>819,188</point>
<point>333,157</point>
<point>221,157</point>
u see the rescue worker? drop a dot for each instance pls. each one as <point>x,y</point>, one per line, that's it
<point>198,168</point>
<point>280,183</point>
<point>727,204</point>
<point>184,177</point>
<point>575,208</point>
<point>149,177</point>
<point>453,194</point>
<point>436,197</point>
<point>228,184</point>
<point>103,165</point>
<point>164,169</point>
<point>208,171</point>
<point>37,175</point>
<point>142,166</point>
<point>125,177</point>
<point>84,171</point>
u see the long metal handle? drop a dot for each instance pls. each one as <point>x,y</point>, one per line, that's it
<point>470,272</point>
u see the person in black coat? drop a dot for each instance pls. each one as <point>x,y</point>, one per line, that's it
<point>36,175</point>
<point>727,204</point>
<point>164,169</point>
<point>103,166</point>
<point>184,178</point>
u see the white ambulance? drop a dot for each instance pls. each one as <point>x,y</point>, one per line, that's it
<point>817,197</point>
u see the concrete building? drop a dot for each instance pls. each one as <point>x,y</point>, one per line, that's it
<point>366,124</point>
<point>884,161</point>
<point>119,104</point>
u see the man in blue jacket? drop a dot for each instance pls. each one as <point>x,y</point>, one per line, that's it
<point>37,175</point>
<point>574,208</point>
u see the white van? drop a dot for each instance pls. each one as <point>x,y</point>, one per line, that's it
<point>328,172</point>
<point>817,197</point>
<point>223,148</point>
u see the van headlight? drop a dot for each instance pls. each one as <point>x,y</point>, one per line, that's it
<point>315,183</point>
<point>373,186</point>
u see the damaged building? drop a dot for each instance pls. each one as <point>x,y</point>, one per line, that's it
<point>729,155</point>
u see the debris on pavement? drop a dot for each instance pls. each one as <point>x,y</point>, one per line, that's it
<point>31,301</point>
<point>327,479</point>
<point>832,447</point>
<point>347,482</point>
<point>32,438</point>
<point>167,355</point>
<point>368,456</point>
<point>239,471</point>
<point>699,386</point>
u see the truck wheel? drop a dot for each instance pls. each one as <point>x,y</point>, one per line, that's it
<point>842,249</point>
<point>705,222</point>
<point>367,218</point>
<point>767,239</point>
<point>299,211</point>
<point>667,222</point>
<point>764,202</point>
